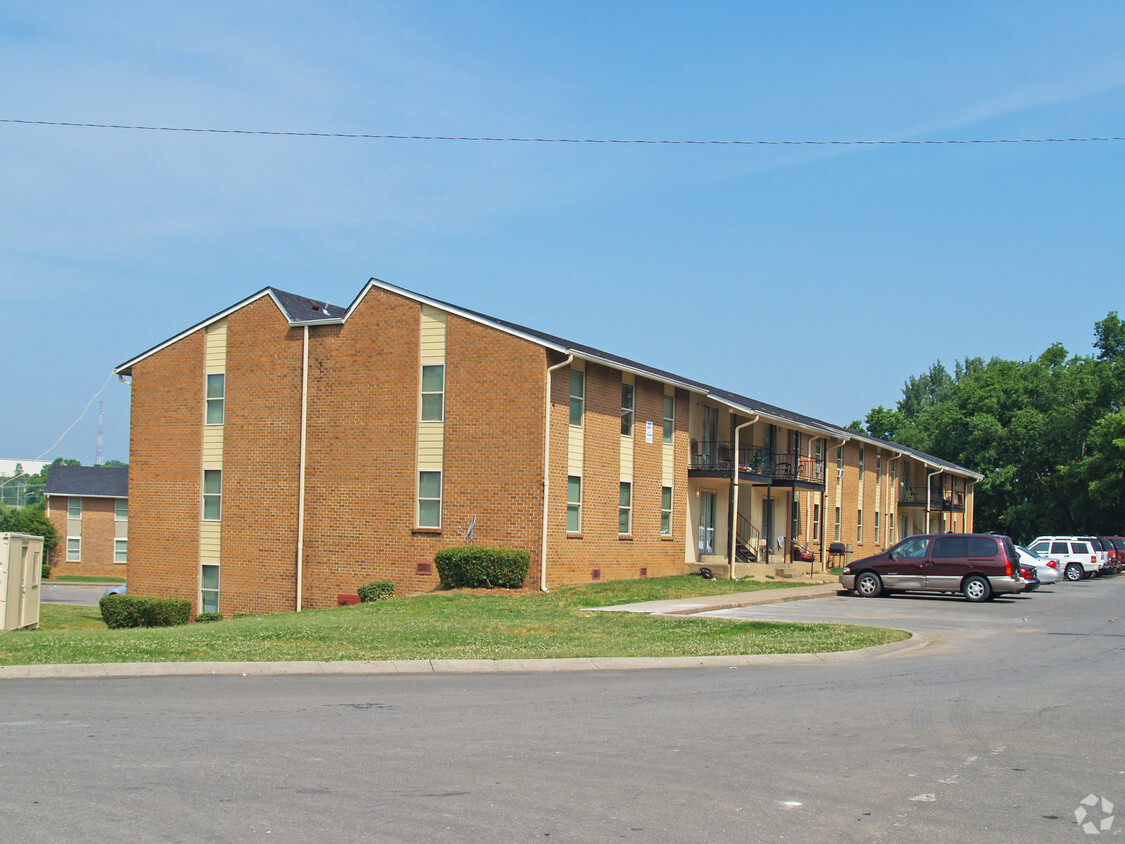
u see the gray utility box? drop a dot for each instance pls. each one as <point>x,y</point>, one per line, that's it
<point>21,570</point>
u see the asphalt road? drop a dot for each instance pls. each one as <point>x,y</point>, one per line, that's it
<point>71,593</point>
<point>996,731</point>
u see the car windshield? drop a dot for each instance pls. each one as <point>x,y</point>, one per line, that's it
<point>913,548</point>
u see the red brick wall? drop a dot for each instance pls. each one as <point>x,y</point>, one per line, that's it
<point>98,528</point>
<point>165,475</point>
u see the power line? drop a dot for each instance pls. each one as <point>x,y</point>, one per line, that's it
<point>483,138</point>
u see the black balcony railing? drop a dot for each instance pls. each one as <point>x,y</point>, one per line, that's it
<point>756,460</point>
<point>939,498</point>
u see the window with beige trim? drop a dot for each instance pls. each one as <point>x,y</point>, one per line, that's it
<point>573,504</point>
<point>816,522</point>
<point>216,397</point>
<point>73,549</point>
<point>666,511</point>
<point>859,526</point>
<point>628,409</point>
<point>433,392</point>
<point>837,524</point>
<point>121,550</point>
<point>577,397</point>
<point>429,499</point>
<point>209,589</point>
<point>212,495</point>
<point>669,417</point>
<point>625,509</point>
<point>876,525</point>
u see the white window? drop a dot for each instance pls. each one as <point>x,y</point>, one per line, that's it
<point>628,409</point>
<point>429,499</point>
<point>837,524</point>
<point>216,395</point>
<point>577,396</point>
<point>74,508</point>
<point>666,511</point>
<point>878,468</point>
<point>73,549</point>
<point>212,494</point>
<point>120,550</point>
<point>890,526</point>
<point>669,417</point>
<point>433,393</point>
<point>859,526</point>
<point>121,509</point>
<point>573,504</point>
<point>816,523</point>
<point>209,589</point>
<point>876,525</point>
<point>839,460</point>
<point>625,509</point>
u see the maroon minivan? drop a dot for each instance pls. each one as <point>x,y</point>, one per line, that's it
<point>978,565</point>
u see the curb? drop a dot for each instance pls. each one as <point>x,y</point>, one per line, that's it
<point>442,666</point>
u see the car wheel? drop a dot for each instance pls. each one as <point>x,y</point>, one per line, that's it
<point>868,585</point>
<point>976,589</point>
<point>1073,572</point>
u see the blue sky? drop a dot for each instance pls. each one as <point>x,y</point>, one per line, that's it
<point>815,278</point>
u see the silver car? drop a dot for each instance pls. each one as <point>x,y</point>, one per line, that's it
<point>1046,570</point>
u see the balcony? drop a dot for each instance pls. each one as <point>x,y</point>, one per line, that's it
<point>950,500</point>
<point>716,458</point>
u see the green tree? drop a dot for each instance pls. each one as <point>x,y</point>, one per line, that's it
<point>31,519</point>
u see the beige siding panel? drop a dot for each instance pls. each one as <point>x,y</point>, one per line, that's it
<point>73,527</point>
<point>213,446</point>
<point>216,355</point>
<point>433,335</point>
<point>431,446</point>
<point>668,466</point>
<point>574,452</point>
<point>627,457</point>
<point>209,537</point>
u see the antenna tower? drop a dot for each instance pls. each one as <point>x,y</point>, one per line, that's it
<point>99,455</point>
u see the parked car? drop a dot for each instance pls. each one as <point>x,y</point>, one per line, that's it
<point>1077,556</point>
<point>1030,580</point>
<point>1116,560</point>
<point>977,565</point>
<point>119,589</point>
<point>1047,571</point>
<point>1118,543</point>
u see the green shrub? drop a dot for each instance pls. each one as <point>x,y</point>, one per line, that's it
<point>208,617</point>
<point>46,571</point>
<point>121,611</point>
<point>479,565</point>
<point>380,590</point>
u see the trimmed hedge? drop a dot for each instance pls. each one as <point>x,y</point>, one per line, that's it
<point>478,565</point>
<point>380,590</point>
<point>208,617</point>
<point>46,571</point>
<point>121,611</point>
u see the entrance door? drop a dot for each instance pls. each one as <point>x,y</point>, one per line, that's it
<point>706,522</point>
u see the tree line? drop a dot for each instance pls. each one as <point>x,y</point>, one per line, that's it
<point>1047,434</point>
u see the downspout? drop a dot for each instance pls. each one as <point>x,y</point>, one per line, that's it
<point>893,499</point>
<point>301,468</point>
<point>734,526</point>
<point>930,475</point>
<point>547,467</point>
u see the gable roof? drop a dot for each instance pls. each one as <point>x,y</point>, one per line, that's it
<point>88,481</point>
<point>300,310</point>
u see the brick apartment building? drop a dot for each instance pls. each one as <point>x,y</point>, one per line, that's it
<point>89,507</point>
<point>286,450</point>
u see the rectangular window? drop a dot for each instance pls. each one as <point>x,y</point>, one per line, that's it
<point>816,523</point>
<point>73,550</point>
<point>120,550</point>
<point>625,509</point>
<point>876,525</point>
<point>820,458</point>
<point>669,417</point>
<point>666,511</point>
<point>429,499</point>
<point>890,527</point>
<point>862,461</point>
<point>121,509</point>
<point>577,396</point>
<point>878,468</point>
<point>209,589</point>
<point>837,524</point>
<point>433,392</point>
<point>212,494</point>
<point>859,526</point>
<point>627,410</point>
<point>216,394</point>
<point>573,504</point>
<point>840,457</point>
<point>74,508</point>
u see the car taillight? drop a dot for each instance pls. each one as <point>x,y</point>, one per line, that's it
<point>1052,564</point>
<point>1008,569</point>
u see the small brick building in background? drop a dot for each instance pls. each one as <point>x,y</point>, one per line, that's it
<point>89,507</point>
<point>285,451</point>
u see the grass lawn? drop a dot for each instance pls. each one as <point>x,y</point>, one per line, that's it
<point>443,625</point>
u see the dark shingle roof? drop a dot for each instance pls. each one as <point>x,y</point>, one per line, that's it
<point>88,481</point>
<point>303,309</point>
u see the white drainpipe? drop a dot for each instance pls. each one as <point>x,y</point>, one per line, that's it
<point>932,474</point>
<point>547,468</point>
<point>734,527</point>
<point>301,469</point>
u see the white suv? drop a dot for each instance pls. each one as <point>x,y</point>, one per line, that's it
<point>1076,555</point>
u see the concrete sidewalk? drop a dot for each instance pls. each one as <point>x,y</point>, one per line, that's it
<point>679,606</point>
<point>708,603</point>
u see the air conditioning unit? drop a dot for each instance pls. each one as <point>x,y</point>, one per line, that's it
<point>839,473</point>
